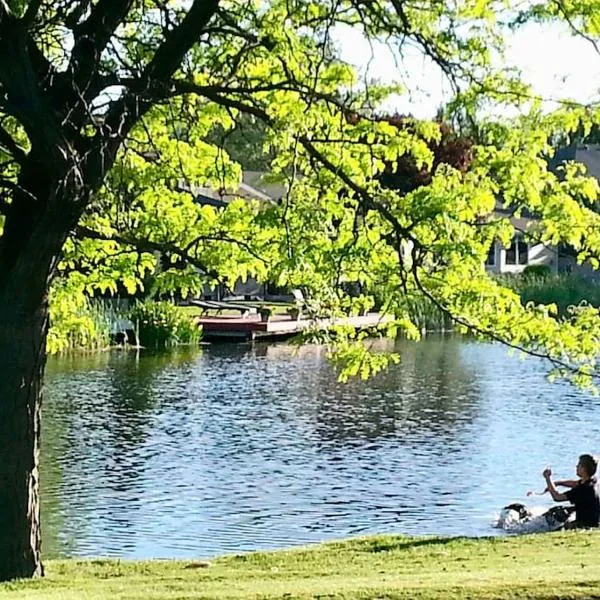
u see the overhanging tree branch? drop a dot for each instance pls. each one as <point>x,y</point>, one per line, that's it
<point>92,36</point>
<point>123,113</point>
<point>144,245</point>
<point>576,30</point>
<point>492,335</point>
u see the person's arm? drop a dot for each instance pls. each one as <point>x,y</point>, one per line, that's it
<point>556,495</point>
<point>570,483</point>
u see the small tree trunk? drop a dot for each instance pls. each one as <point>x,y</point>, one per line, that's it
<point>22,349</point>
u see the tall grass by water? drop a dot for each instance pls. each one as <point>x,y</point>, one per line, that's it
<point>563,290</point>
<point>425,315</point>
<point>82,324</point>
<point>163,325</point>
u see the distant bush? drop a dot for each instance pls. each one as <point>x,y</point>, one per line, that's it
<point>162,324</point>
<point>541,271</point>
<point>562,290</point>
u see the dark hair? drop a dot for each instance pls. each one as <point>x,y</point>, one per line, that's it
<point>589,463</point>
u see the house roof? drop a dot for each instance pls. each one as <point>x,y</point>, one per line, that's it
<point>255,185</point>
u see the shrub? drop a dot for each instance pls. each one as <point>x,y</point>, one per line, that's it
<point>162,324</point>
<point>562,290</point>
<point>540,271</point>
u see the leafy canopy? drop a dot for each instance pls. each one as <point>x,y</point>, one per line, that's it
<point>159,131</point>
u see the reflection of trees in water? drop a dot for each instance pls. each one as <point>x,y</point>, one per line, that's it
<point>53,447</point>
<point>98,416</point>
<point>113,423</point>
<point>429,392</point>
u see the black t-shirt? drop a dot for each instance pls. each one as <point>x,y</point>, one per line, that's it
<point>586,498</point>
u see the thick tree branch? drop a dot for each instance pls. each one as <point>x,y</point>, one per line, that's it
<point>80,8</point>
<point>144,245</point>
<point>179,41</point>
<point>123,113</point>
<point>92,36</point>
<point>24,98</point>
<point>5,12</point>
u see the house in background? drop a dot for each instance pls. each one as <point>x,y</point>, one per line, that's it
<point>589,156</point>
<point>561,259</point>
<point>520,254</point>
<point>255,185</point>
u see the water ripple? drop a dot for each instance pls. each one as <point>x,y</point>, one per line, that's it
<point>239,448</point>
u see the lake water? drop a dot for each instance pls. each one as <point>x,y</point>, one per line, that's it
<point>238,447</point>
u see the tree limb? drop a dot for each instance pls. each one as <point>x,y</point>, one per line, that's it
<point>144,245</point>
<point>92,36</point>
<point>122,114</point>
<point>31,12</point>
<point>576,30</point>
<point>491,334</point>
<point>5,11</point>
<point>180,40</point>
<point>10,145</point>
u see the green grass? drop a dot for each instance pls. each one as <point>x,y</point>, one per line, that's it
<point>558,565</point>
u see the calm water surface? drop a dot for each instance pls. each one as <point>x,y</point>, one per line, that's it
<point>239,447</point>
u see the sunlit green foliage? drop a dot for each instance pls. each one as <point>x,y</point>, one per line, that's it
<point>162,324</point>
<point>77,323</point>
<point>339,227</point>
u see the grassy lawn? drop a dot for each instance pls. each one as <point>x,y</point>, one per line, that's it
<point>558,565</point>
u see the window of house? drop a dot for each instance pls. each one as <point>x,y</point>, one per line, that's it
<point>516,253</point>
<point>490,261</point>
<point>522,251</point>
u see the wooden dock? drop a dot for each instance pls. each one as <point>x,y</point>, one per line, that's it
<point>251,327</point>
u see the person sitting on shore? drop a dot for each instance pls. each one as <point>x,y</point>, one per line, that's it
<point>584,493</point>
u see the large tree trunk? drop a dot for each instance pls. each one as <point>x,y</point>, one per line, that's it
<point>34,232</point>
<point>22,352</point>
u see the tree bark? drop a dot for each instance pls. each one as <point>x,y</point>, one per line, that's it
<point>22,348</point>
<point>34,233</point>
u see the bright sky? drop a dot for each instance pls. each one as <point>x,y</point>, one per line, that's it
<point>557,64</point>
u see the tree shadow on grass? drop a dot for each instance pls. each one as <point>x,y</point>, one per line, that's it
<point>390,543</point>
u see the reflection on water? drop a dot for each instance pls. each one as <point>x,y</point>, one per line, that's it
<point>239,447</point>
